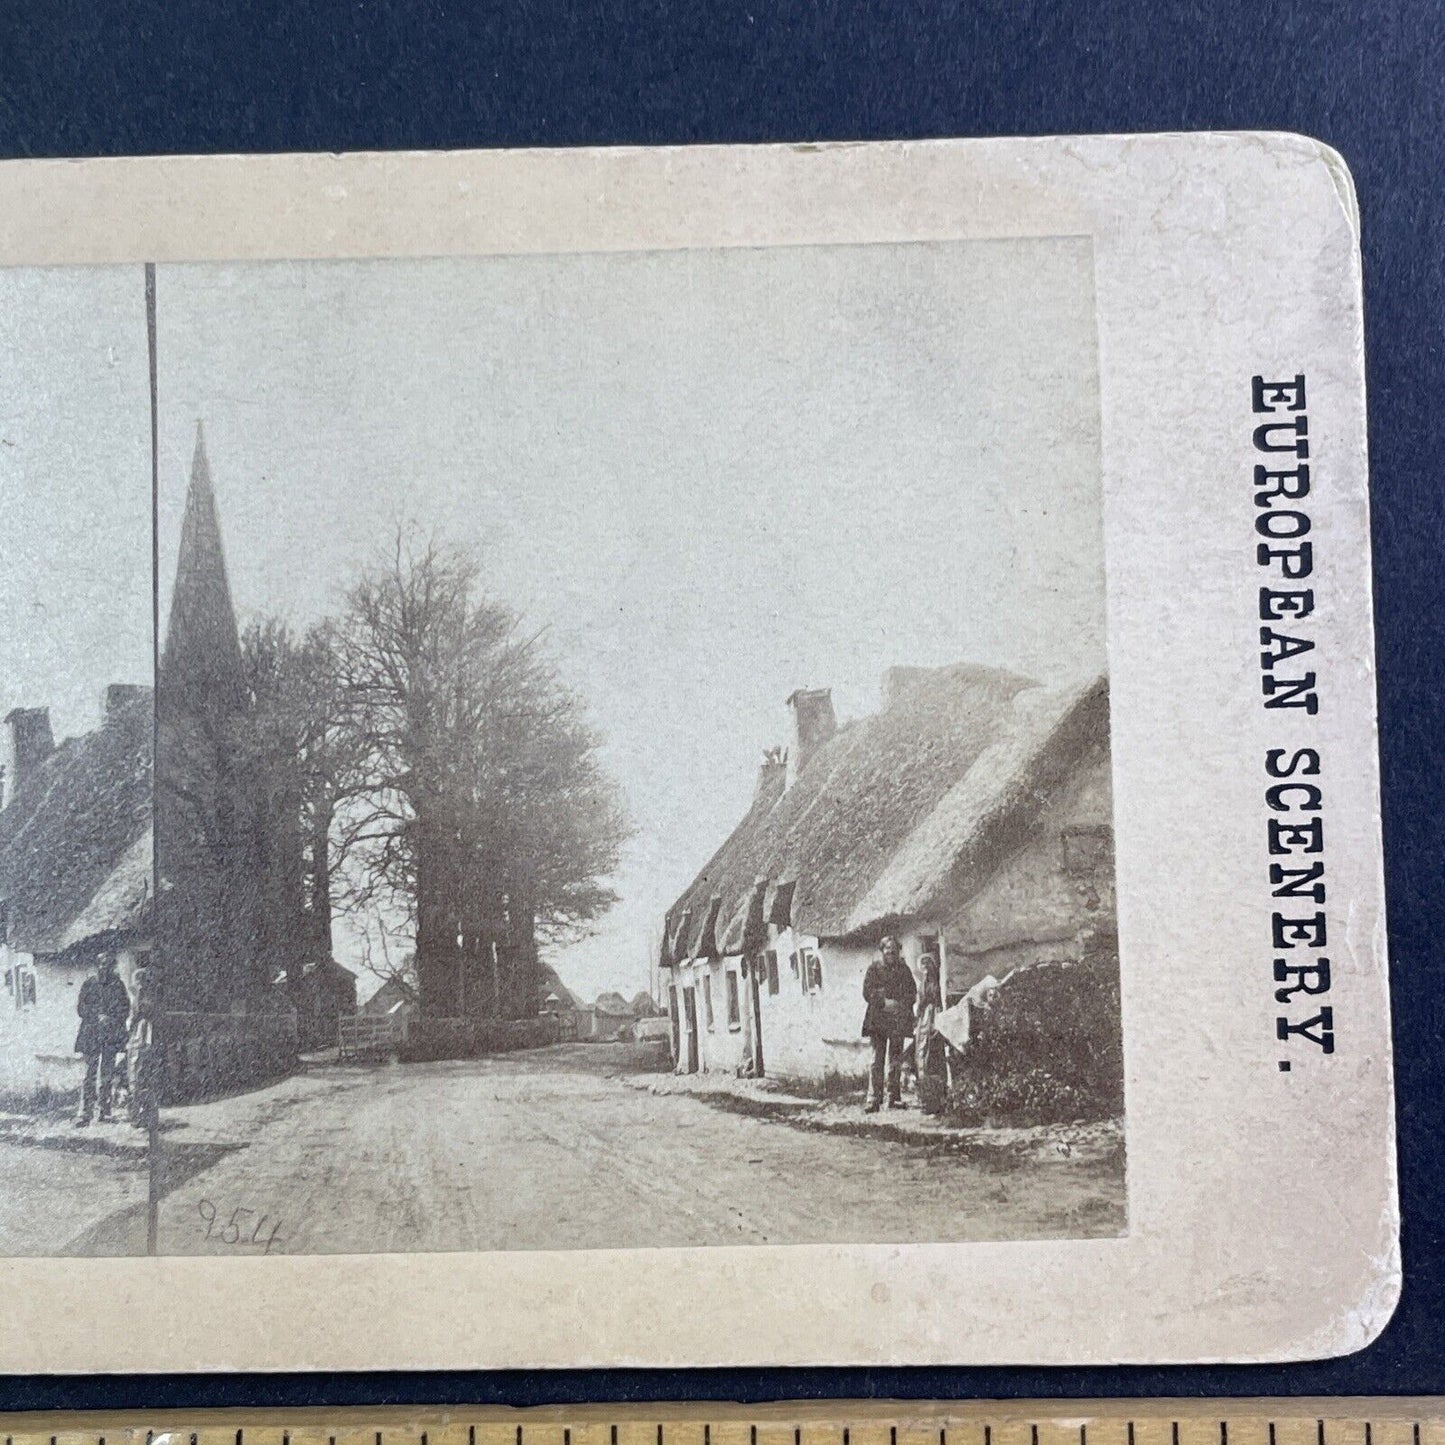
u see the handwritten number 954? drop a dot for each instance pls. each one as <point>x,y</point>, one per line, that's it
<point>234,1229</point>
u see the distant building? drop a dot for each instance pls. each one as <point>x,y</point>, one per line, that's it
<point>75,877</point>
<point>971,816</point>
<point>644,1006</point>
<point>395,999</point>
<point>609,1017</point>
<point>326,994</point>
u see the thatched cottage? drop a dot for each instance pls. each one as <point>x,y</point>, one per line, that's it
<point>971,816</point>
<point>75,877</point>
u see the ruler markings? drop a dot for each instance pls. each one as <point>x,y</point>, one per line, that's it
<point>1060,1422</point>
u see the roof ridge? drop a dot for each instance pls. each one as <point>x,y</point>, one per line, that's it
<point>1021,746</point>
<point>35,802</point>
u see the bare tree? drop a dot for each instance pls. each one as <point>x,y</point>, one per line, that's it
<point>485,816</point>
<point>305,756</point>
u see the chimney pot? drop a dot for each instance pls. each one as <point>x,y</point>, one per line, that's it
<point>772,776</point>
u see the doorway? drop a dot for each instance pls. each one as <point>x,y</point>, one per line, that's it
<point>689,1003</point>
<point>675,1025</point>
<point>755,966</point>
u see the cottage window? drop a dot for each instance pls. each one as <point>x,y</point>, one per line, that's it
<point>735,1012</point>
<point>770,962</point>
<point>27,989</point>
<point>10,981</point>
<point>812,971</point>
<point>707,999</point>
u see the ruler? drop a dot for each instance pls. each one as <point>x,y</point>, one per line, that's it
<point>1374,1421</point>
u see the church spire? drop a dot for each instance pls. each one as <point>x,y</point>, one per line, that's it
<point>202,656</point>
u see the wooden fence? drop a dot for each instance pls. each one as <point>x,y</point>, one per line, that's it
<point>370,1035</point>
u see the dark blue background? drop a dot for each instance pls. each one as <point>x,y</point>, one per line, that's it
<point>118,77</point>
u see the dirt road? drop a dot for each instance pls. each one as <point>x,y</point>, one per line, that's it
<point>556,1149</point>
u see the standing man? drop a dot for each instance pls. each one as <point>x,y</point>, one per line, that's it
<point>890,994</point>
<point>104,1009</point>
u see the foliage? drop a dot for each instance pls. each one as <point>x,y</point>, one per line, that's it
<point>449,777</point>
<point>1045,1048</point>
<point>302,747</point>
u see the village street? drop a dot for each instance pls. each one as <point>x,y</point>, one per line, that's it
<point>566,1147</point>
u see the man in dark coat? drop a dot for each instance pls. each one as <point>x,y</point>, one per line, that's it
<point>890,994</point>
<point>104,1009</point>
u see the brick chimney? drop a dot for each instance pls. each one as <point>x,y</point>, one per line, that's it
<point>27,741</point>
<point>772,777</point>
<point>813,724</point>
<point>121,694</point>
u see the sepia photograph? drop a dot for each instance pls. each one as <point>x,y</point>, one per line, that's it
<point>631,755</point>
<point>755,755</point>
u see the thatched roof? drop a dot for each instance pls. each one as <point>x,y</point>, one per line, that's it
<point>551,982</point>
<point>984,815</point>
<point>75,844</point>
<point>895,811</point>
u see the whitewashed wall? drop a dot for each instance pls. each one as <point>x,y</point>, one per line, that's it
<point>37,1042</point>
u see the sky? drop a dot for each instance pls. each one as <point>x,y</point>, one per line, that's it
<point>75,490</point>
<point>711,476</point>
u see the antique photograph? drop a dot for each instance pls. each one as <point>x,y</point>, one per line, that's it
<point>746,755</point>
<point>631,747</point>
